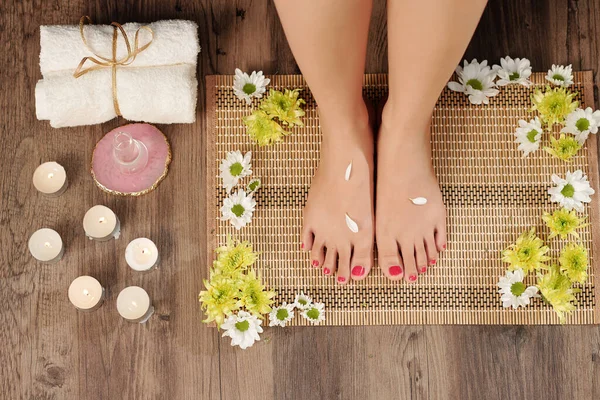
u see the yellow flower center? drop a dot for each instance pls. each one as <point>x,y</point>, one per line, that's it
<point>282,314</point>
<point>249,88</point>
<point>253,185</point>
<point>238,210</point>
<point>236,169</point>
<point>302,301</point>
<point>568,190</point>
<point>531,135</point>
<point>558,77</point>
<point>475,84</point>
<point>517,288</point>
<point>242,326</point>
<point>313,313</point>
<point>582,124</point>
<point>514,76</point>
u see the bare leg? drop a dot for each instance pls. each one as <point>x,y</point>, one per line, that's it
<point>329,41</point>
<point>426,40</point>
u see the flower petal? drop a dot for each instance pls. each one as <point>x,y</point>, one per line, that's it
<point>353,226</point>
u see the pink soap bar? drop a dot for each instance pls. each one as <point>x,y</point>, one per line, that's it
<point>108,175</point>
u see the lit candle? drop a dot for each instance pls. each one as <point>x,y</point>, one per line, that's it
<point>50,179</point>
<point>86,293</point>
<point>101,224</point>
<point>46,245</point>
<point>133,304</point>
<point>141,254</point>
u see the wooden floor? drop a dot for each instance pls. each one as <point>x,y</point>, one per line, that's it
<point>49,351</point>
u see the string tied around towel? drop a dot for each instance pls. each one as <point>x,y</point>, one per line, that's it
<point>112,62</point>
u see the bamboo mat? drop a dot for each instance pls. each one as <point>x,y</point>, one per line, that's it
<point>491,194</point>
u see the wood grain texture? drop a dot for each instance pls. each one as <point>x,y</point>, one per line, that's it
<point>51,352</point>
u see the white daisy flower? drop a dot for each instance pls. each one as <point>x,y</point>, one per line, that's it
<point>511,71</point>
<point>581,123</point>
<point>243,329</point>
<point>560,75</point>
<point>476,80</point>
<point>281,315</point>
<point>514,292</point>
<point>302,301</point>
<point>238,209</point>
<point>572,191</point>
<point>315,313</point>
<point>235,167</point>
<point>245,87</point>
<point>529,135</point>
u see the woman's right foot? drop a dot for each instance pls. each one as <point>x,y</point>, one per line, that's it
<point>334,247</point>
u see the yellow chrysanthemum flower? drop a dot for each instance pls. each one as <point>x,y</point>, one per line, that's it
<point>254,296</point>
<point>553,104</point>
<point>563,223</point>
<point>564,147</point>
<point>220,299</point>
<point>557,290</point>
<point>234,258</point>
<point>286,106</point>
<point>263,129</point>
<point>528,253</point>
<point>574,262</point>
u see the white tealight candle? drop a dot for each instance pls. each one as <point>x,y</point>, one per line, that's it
<point>86,293</point>
<point>101,224</point>
<point>141,254</point>
<point>46,245</point>
<point>133,304</point>
<point>50,179</point>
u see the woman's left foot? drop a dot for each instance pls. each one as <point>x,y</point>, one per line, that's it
<point>409,236</point>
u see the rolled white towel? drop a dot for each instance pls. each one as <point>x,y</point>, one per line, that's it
<point>165,94</point>
<point>175,42</point>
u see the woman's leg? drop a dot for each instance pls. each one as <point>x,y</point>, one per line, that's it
<point>426,39</point>
<point>329,41</point>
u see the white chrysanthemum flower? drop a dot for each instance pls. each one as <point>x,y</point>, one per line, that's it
<point>281,315</point>
<point>243,329</point>
<point>238,209</point>
<point>560,75</point>
<point>315,313</point>
<point>476,80</point>
<point>302,301</point>
<point>245,87</point>
<point>529,135</point>
<point>581,123</point>
<point>572,191</point>
<point>514,292</point>
<point>511,71</point>
<point>234,167</point>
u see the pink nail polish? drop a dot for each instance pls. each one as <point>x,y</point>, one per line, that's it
<point>423,269</point>
<point>432,262</point>
<point>341,279</point>
<point>444,247</point>
<point>326,271</point>
<point>412,278</point>
<point>315,263</point>
<point>395,270</point>
<point>301,245</point>
<point>358,270</point>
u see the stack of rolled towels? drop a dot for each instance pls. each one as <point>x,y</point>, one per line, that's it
<point>159,86</point>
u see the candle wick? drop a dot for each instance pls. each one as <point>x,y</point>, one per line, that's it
<point>50,175</point>
<point>85,291</point>
<point>101,220</point>
<point>47,244</point>
<point>145,251</point>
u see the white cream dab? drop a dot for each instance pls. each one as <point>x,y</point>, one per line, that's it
<point>420,201</point>
<point>348,171</point>
<point>353,226</point>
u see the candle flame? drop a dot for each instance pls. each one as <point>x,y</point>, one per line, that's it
<point>50,175</point>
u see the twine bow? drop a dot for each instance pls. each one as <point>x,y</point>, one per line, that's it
<point>113,62</point>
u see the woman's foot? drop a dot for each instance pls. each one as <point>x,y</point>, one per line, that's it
<point>409,236</point>
<point>334,248</point>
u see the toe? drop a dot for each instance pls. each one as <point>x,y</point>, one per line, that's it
<point>307,239</point>
<point>440,237</point>
<point>431,249</point>
<point>362,261</point>
<point>407,250</point>
<point>343,272</point>
<point>421,257</point>
<point>389,260</point>
<point>317,254</point>
<point>330,263</point>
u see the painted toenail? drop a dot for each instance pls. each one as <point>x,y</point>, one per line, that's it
<point>444,247</point>
<point>358,270</point>
<point>423,269</point>
<point>395,270</point>
<point>341,279</point>
<point>326,271</point>
<point>432,262</point>
<point>412,278</point>
<point>301,245</point>
<point>315,263</point>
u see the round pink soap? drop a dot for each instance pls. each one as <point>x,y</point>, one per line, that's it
<point>106,171</point>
